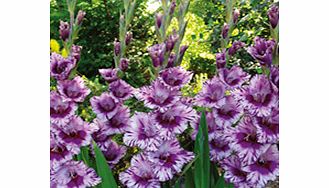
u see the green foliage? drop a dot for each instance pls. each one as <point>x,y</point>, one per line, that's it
<point>201,148</point>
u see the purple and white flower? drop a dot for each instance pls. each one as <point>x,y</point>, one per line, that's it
<point>158,95</point>
<point>268,127</point>
<point>234,171</point>
<point>118,123</point>
<point>174,120</point>
<point>74,174</point>
<point>169,159</point>
<point>212,94</point>
<point>262,50</point>
<point>113,152</point>
<point>61,110</point>
<point>227,114</point>
<point>244,140</point>
<point>74,90</point>
<point>105,106</point>
<point>259,97</point>
<point>76,52</point>
<point>109,75</point>
<point>265,168</point>
<point>75,133</point>
<point>233,77</point>
<point>140,174</point>
<point>58,152</point>
<point>175,77</point>
<point>121,90</point>
<point>101,136</point>
<point>144,132</point>
<point>219,148</point>
<point>60,68</point>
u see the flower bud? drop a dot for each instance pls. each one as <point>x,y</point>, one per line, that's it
<point>157,54</point>
<point>117,48</point>
<point>171,60</point>
<point>182,50</point>
<point>171,41</point>
<point>158,19</point>
<point>273,15</point>
<point>76,52</point>
<point>225,29</point>
<point>129,37</point>
<point>124,63</point>
<point>80,16</point>
<point>221,59</point>
<point>235,47</point>
<point>236,14</point>
<point>64,30</point>
<point>172,7</point>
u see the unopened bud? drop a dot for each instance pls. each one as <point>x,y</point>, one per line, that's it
<point>64,30</point>
<point>80,16</point>
<point>225,29</point>
<point>124,63</point>
<point>172,7</point>
<point>129,37</point>
<point>116,47</point>
<point>236,14</point>
<point>159,20</point>
<point>273,15</point>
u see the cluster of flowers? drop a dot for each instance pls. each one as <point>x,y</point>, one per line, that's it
<point>113,117</point>
<point>155,132</point>
<point>243,121</point>
<point>68,132</point>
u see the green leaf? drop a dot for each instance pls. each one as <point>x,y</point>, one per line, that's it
<point>189,179</point>
<point>221,183</point>
<point>214,175</point>
<point>201,148</point>
<point>103,170</point>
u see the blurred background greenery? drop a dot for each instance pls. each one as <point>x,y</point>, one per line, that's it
<point>206,17</point>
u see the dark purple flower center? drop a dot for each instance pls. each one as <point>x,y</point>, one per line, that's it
<point>76,180</point>
<point>60,67</point>
<point>73,91</point>
<point>75,137</point>
<point>259,99</point>
<point>172,81</point>
<point>106,105</point>
<point>110,155</point>
<point>168,120</point>
<point>59,110</point>
<point>57,153</point>
<point>226,113</point>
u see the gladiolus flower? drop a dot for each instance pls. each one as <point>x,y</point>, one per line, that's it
<point>212,94</point>
<point>121,90</point>
<point>74,174</point>
<point>61,110</point>
<point>74,90</point>
<point>105,106</point>
<point>60,68</point>
<point>109,75</point>
<point>158,95</point>
<point>273,15</point>
<point>140,174</point>
<point>175,77</point>
<point>144,132</point>
<point>262,50</point>
<point>64,30</point>
<point>169,159</point>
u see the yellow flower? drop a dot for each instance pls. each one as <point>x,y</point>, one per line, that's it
<point>64,53</point>
<point>54,46</point>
